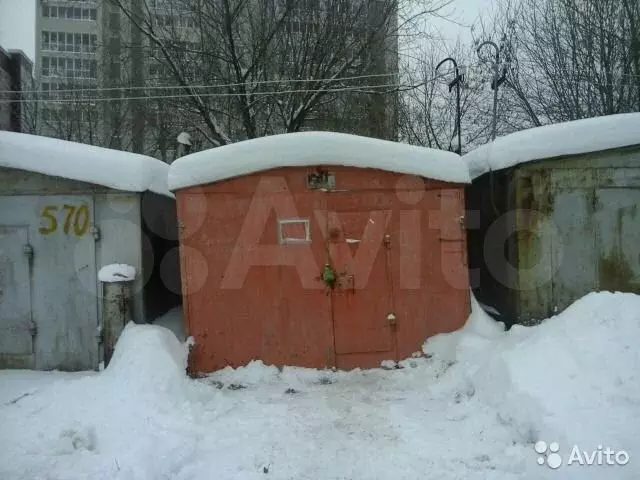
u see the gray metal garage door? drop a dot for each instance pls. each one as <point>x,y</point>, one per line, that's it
<point>16,326</point>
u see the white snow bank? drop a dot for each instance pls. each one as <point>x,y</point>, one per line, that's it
<point>148,358</point>
<point>117,272</point>
<point>479,328</point>
<point>85,163</point>
<point>174,321</point>
<point>314,148</point>
<point>573,379</point>
<point>560,139</point>
<point>474,416</point>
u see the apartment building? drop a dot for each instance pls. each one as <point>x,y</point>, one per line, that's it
<point>15,79</point>
<point>66,63</point>
<point>89,50</point>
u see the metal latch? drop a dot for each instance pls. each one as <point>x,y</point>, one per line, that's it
<point>33,328</point>
<point>99,334</point>
<point>27,249</point>
<point>95,231</point>
<point>391,318</point>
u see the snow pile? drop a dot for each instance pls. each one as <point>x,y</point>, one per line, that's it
<point>117,272</point>
<point>115,169</point>
<point>148,359</point>
<point>107,425</point>
<point>574,379</point>
<point>174,321</point>
<point>473,410</point>
<point>560,139</point>
<point>310,149</point>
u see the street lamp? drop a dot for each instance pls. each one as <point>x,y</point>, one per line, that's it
<point>455,83</point>
<point>495,83</point>
<point>184,139</point>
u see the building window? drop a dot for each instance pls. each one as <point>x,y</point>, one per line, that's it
<point>45,66</point>
<point>69,42</point>
<point>70,13</point>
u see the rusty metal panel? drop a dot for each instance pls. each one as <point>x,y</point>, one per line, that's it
<point>583,234</point>
<point>574,248</point>
<point>16,327</point>
<point>618,239</point>
<point>249,294</point>
<point>363,312</point>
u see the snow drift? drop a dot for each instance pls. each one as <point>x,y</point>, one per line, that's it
<point>572,379</point>
<point>473,410</point>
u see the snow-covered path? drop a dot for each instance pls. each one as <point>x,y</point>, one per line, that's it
<point>471,411</point>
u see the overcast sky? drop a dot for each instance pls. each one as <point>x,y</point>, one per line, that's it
<point>17,26</point>
<point>461,14</point>
<point>17,22</point>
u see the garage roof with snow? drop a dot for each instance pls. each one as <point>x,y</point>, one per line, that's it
<point>314,148</point>
<point>557,140</point>
<point>84,163</point>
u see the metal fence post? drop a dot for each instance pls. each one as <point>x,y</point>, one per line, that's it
<point>116,313</point>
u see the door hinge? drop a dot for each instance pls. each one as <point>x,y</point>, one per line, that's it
<point>33,328</point>
<point>100,334</point>
<point>391,318</point>
<point>387,241</point>
<point>27,249</point>
<point>97,234</point>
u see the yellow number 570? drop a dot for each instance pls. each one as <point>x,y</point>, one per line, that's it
<point>78,217</point>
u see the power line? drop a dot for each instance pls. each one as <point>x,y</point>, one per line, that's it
<point>171,87</point>
<point>186,95</point>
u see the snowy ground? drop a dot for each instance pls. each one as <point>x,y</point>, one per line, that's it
<point>472,411</point>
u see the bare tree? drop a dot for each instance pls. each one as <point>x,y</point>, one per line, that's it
<point>246,52</point>
<point>569,59</point>
<point>427,112</point>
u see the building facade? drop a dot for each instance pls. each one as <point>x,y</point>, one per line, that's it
<point>15,79</point>
<point>89,50</point>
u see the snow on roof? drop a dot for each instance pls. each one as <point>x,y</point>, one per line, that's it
<point>560,139</point>
<point>85,163</point>
<point>314,148</point>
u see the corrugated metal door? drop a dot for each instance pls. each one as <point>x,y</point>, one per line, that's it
<point>65,283</point>
<point>16,332</point>
<point>363,314</point>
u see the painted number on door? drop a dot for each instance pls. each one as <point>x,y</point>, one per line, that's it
<point>71,218</point>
